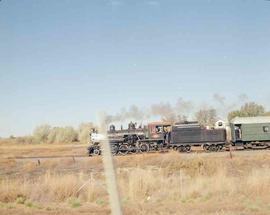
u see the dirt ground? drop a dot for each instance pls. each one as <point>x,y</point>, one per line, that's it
<point>156,183</point>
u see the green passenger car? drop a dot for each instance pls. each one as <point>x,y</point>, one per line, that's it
<point>250,130</point>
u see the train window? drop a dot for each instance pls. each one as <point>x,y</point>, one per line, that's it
<point>159,129</point>
<point>238,132</point>
<point>167,128</point>
<point>265,128</point>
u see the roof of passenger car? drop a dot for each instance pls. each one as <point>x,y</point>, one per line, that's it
<point>251,120</point>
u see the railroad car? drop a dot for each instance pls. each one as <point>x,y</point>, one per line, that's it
<point>184,136</point>
<point>251,132</point>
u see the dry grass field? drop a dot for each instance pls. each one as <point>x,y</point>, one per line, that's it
<point>157,183</point>
<point>36,150</point>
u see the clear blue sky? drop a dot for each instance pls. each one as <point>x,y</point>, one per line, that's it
<point>62,61</point>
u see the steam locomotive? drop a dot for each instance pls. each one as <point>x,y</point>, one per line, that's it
<point>247,132</point>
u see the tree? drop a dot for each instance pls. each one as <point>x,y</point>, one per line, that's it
<point>206,117</point>
<point>62,135</point>
<point>47,134</point>
<point>41,133</point>
<point>84,132</point>
<point>248,109</point>
<point>267,113</point>
<point>53,135</point>
<point>67,135</point>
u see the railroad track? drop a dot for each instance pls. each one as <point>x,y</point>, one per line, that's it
<point>151,152</point>
<point>47,157</point>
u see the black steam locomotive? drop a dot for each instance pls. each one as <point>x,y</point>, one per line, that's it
<point>160,136</point>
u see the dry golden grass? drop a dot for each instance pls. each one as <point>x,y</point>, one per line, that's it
<point>169,183</point>
<point>36,150</point>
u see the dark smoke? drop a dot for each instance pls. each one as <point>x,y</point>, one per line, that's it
<point>223,107</point>
<point>166,111</point>
<point>133,112</point>
<point>182,110</point>
<point>219,98</point>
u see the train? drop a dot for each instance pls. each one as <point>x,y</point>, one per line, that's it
<point>245,132</point>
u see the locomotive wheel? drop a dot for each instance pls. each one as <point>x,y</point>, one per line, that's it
<point>206,147</point>
<point>156,148</point>
<point>181,149</point>
<point>144,147</point>
<point>133,149</point>
<point>114,150</point>
<point>213,148</point>
<point>123,150</point>
<point>96,152</point>
<point>220,147</point>
<point>188,148</point>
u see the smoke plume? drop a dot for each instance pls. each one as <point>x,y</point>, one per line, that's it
<point>181,110</point>
<point>219,98</point>
<point>133,112</point>
<point>166,111</point>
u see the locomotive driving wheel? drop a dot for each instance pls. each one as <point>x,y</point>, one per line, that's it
<point>96,151</point>
<point>133,149</point>
<point>188,148</point>
<point>123,150</point>
<point>114,149</point>
<point>144,147</point>
<point>181,149</point>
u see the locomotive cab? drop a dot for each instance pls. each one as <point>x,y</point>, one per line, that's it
<point>157,130</point>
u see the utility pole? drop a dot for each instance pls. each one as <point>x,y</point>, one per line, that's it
<point>109,169</point>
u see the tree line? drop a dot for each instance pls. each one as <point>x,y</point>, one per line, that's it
<point>61,135</point>
<point>208,117</point>
<point>46,134</point>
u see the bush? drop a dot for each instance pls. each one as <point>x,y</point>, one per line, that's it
<point>25,140</point>
<point>74,202</point>
<point>41,133</point>
<point>62,135</point>
<point>67,135</point>
<point>47,134</point>
<point>20,199</point>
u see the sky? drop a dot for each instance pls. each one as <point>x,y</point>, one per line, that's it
<point>61,62</point>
